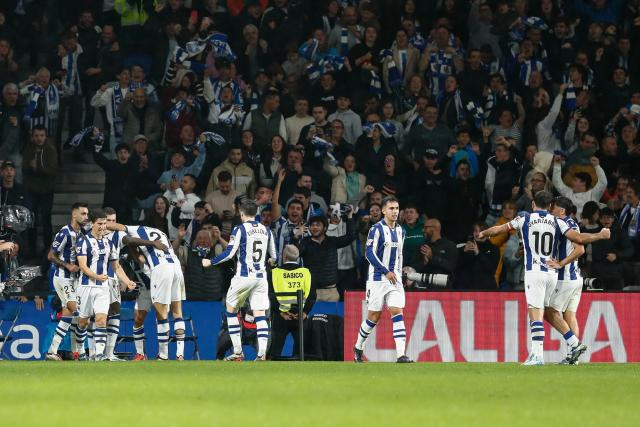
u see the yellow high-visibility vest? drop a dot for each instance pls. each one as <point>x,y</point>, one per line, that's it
<point>285,280</point>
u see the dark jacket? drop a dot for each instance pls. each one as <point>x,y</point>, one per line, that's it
<point>202,284</point>
<point>119,186</point>
<point>322,258</point>
<point>40,179</point>
<point>430,191</point>
<point>477,272</point>
<point>444,260</point>
<point>620,245</point>
<point>15,195</point>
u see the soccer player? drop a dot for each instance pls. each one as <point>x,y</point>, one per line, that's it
<point>95,252</point>
<point>541,233</point>
<point>62,257</point>
<point>564,301</point>
<point>384,284</point>
<point>167,283</point>
<point>252,241</point>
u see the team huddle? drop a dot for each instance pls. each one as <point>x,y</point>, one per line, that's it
<point>88,278</point>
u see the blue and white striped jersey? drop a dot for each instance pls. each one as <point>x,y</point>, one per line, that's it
<point>384,250</point>
<point>570,271</point>
<point>541,234</point>
<point>64,246</point>
<point>153,256</point>
<point>115,237</point>
<point>99,253</point>
<point>253,242</point>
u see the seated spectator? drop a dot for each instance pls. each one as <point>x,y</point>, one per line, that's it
<point>437,255</point>
<point>630,226</point>
<point>581,190</point>
<point>610,255</point>
<point>244,180</point>
<point>477,262</point>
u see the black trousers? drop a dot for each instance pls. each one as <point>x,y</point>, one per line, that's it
<point>41,208</point>
<point>280,328</point>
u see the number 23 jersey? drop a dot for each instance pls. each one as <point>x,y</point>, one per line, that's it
<point>541,235</point>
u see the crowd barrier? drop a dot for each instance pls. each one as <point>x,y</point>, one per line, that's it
<point>493,327</point>
<point>34,329</point>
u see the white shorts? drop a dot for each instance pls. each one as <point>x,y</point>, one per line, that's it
<point>114,290</point>
<point>66,289</point>
<point>93,300</point>
<point>143,300</point>
<point>257,290</point>
<point>384,293</point>
<point>165,284</point>
<point>182,293</point>
<point>538,288</point>
<point>567,295</point>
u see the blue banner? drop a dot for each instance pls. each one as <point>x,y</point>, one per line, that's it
<point>33,330</point>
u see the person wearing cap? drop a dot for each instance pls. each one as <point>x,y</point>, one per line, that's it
<point>430,134</point>
<point>10,129</point>
<point>320,254</point>
<point>11,191</point>
<point>609,256</point>
<point>178,169</point>
<point>288,277</point>
<point>120,182</point>
<point>431,185</point>
<point>350,120</point>
<point>372,152</point>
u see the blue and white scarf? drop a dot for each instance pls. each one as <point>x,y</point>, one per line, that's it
<point>116,100</point>
<point>174,112</point>
<point>528,67</point>
<point>344,41</point>
<point>417,41</point>
<point>477,113</point>
<point>570,97</point>
<point>440,67</point>
<point>52,101</point>
<point>212,137</point>
<point>309,49</point>
<point>70,64</point>
<point>96,136</point>
<point>395,76</point>
<point>375,84</point>
<point>220,46</point>
<point>625,216</point>
<point>457,98</point>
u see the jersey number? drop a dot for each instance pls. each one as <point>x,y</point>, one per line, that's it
<point>543,243</point>
<point>154,235</point>
<point>257,251</point>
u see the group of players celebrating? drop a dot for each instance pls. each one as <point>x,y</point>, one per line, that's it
<point>88,278</point>
<point>552,244</point>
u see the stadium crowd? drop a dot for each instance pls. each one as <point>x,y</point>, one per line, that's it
<point>461,109</point>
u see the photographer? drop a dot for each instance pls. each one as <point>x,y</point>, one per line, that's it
<point>477,262</point>
<point>438,255</point>
<point>320,254</point>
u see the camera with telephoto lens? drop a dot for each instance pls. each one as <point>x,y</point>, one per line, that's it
<point>424,280</point>
<point>592,284</point>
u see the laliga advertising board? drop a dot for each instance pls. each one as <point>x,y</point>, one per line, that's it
<point>493,327</point>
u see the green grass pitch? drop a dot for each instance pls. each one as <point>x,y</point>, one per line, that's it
<point>316,394</point>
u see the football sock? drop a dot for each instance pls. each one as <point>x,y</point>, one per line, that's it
<point>572,340</point>
<point>100,336</point>
<point>263,334</point>
<point>399,334</point>
<point>90,338</point>
<point>74,333</point>
<point>163,338</point>
<point>113,329</point>
<point>537,338</point>
<point>235,332</point>
<point>81,336</point>
<point>178,329</point>
<point>61,331</point>
<point>365,329</point>
<point>138,339</point>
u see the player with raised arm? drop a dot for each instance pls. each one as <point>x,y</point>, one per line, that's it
<point>167,283</point>
<point>62,257</point>
<point>95,252</point>
<point>566,297</point>
<point>384,283</point>
<point>541,233</point>
<point>252,242</point>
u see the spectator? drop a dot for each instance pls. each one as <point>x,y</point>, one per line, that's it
<point>201,284</point>
<point>339,146</point>
<point>610,255</point>
<point>305,181</point>
<point>320,254</point>
<point>149,169</point>
<point>437,255</point>
<point>178,169</point>
<point>320,127</point>
<point>309,208</point>
<point>404,57</point>
<point>372,152</point>
<point>271,161</point>
<point>223,197</point>
<point>581,190</point>
<point>288,229</point>
<point>500,241</point>
<point>182,196</point>
<point>412,224</point>
<point>431,185</point>
<point>347,184</point>
<point>477,262</point>
<point>503,173</point>
<point>40,166</point>
<point>12,192</point>
<point>10,129</point>
<point>110,98</point>
<point>244,180</point>
<point>119,185</point>
<point>43,101</point>
<point>429,135</point>
<point>266,122</point>
<point>464,202</point>
<point>629,225</point>
<point>158,215</point>
<point>299,120</point>
<point>139,117</point>
<point>350,120</point>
